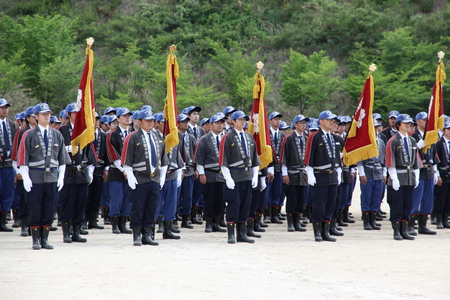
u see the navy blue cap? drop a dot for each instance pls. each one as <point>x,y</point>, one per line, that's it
<point>111,119</point>
<point>204,121</point>
<point>17,116</point>
<point>328,115</point>
<point>376,122</point>
<point>220,116</point>
<point>123,111</point>
<point>229,110</point>
<point>29,112</point>
<point>346,119</point>
<point>377,116</point>
<point>41,108</point>
<point>145,115</point>
<point>298,118</point>
<point>421,116</point>
<point>22,115</point>
<point>393,114</point>
<point>54,119</point>
<point>283,125</point>
<point>147,107</point>
<point>135,114</point>
<point>183,117</point>
<point>72,108</point>
<point>274,115</point>
<point>62,114</point>
<point>4,102</point>
<point>109,109</point>
<point>191,109</point>
<point>312,125</point>
<point>447,124</point>
<point>104,119</point>
<point>239,114</point>
<point>97,116</point>
<point>159,117</point>
<point>404,118</point>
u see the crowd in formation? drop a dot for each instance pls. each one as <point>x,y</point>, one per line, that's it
<point>213,176</point>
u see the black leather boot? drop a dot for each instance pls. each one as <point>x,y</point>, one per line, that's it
<point>345,216</point>
<point>44,238</point>
<point>58,212</point>
<point>231,233</point>
<point>115,224</point>
<point>366,220</point>
<point>209,226</point>
<point>298,225</point>
<point>258,227</point>
<point>262,225</point>
<point>194,217</point>
<point>439,224</point>
<point>445,220</point>
<point>106,218</point>
<point>123,225</point>
<point>317,227</point>
<point>433,218</point>
<point>15,213</point>
<point>216,225</point>
<point>333,230</point>
<point>3,226</point>
<point>24,224</point>
<point>93,221</point>
<point>76,235</point>
<point>374,224</point>
<point>274,217</point>
<point>281,216</point>
<point>267,215</point>
<point>168,233</point>
<point>422,221</point>
<point>147,237</point>
<point>290,223</point>
<point>250,229</point>
<point>36,236</point>
<point>340,219</point>
<point>396,226</point>
<point>137,241</point>
<point>66,234</point>
<point>242,233</point>
<point>380,215</point>
<point>404,231</point>
<point>326,232</point>
<point>160,225</point>
<point>410,223</point>
<point>186,222</point>
<point>174,228</point>
<point>222,222</point>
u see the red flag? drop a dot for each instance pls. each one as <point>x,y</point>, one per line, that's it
<point>170,108</point>
<point>83,127</point>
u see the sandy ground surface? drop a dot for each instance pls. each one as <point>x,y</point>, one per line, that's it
<point>360,265</point>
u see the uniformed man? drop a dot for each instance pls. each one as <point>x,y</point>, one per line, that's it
<point>239,164</point>
<point>110,111</point>
<point>63,117</point>
<point>441,192</point>
<point>42,160</point>
<point>391,130</point>
<point>323,166</point>
<point>227,111</point>
<point>204,123</point>
<point>403,167</point>
<point>145,164</point>
<point>7,172</point>
<point>104,130</point>
<point>293,171</point>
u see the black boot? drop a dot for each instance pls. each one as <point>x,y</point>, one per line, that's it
<point>298,223</point>
<point>174,228</point>
<point>404,231</point>
<point>36,236</point>
<point>439,224</point>
<point>209,226</point>
<point>147,238</point>
<point>242,233</point>
<point>433,218</point>
<point>374,224</point>
<point>326,232</point>
<point>66,234</point>
<point>380,215</point>
<point>3,226</point>
<point>445,220</point>
<point>281,216</point>
<point>168,233</point>
<point>76,235</point>
<point>333,230</point>
<point>251,227</point>
<point>93,221</point>
<point>340,219</point>
<point>106,218</point>
<point>15,213</point>
<point>222,222</point>
<point>58,213</point>
<point>317,227</point>
<point>24,225</point>
<point>366,220</point>
<point>290,223</point>
<point>186,222</point>
<point>396,226</point>
<point>215,225</point>
<point>345,216</point>
<point>258,227</point>
<point>410,223</point>
<point>123,225</point>
<point>194,217</point>
<point>230,230</point>
<point>267,215</point>
<point>115,224</point>
<point>422,221</point>
<point>44,238</point>
<point>274,217</point>
<point>160,225</point>
<point>200,215</point>
<point>137,241</point>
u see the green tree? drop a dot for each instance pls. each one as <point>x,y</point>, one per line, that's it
<point>11,74</point>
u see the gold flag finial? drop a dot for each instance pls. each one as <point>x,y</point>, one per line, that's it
<point>259,65</point>
<point>90,41</point>
<point>440,54</point>
<point>173,48</point>
<point>372,68</point>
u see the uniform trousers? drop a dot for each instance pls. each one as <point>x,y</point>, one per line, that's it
<point>105,195</point>
<point>144,204</point>
<point>323,199</point>
<point>41,201</point>
<point>167,204</point>
<point>275,189</point>
<point>238,201</point>
<point>16,198</point>
<point>73,198</point>
<point>295,195</point>
<point>187,189</point>
<point>350,192</point>
<point>442,198</point>
<point>213,199</point>
<point>400,202</point>
<point>261,201</point>
<point>371,195</point>
<point>197,196</point>
<point>7,176</point>
<point>423,197</point>
<point>345,189</point>
<point>307,196</point>
<point>95,190</point>
<point>23,205</point>
<point>118,203</point>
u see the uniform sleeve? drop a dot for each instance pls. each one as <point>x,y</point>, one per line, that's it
<point>23,150</point>
<point>113,155</point>
<point>224,153</point>
<point>199,153</point>
<point>255,161</point>
<point>128,150</point>
<point>164,157</point>
<point>390,153</point>
<point>309,153</point>
<point>285,155</point>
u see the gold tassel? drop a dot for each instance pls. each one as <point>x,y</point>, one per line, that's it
<point>352,132</point>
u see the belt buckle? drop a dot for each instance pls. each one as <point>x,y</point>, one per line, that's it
<point>330,171</point>
<point>152,175</point>
<point>78,168</point>
<point>246,169</point>
<point>47,169</point>
<point>408,167</point>
<point>220,171</point>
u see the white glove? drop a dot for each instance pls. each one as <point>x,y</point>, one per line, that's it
<point>263,183</point>
<point>27,184</point>
<point>341,155</point>
<point>417,176</point>
<point>255,177</point>
<point>395,182</point>
<point>311,178</point>
<point>421,144</point>
<point>339,175</point>
<point>436,178</point>
<point>271,170</point>
<point>117,164</point>
<point>14,164</point>
<point>132,181</point>
<point>61,173</point>
<point>91,169</point>
<point>179,175</point>
<point>227,175</point>
<point>162,176</point>
<point>69,148</point>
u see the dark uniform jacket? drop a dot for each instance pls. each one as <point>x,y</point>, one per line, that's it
<point>207,155</point>
<point>102,157</point>
<point>5,154</point>
<point>200,132</point>
<point>232,155</point>
<point>136,153</point>
<point>43,163</point>
<point>389,132</point>
<point>187,147</point>
<point>443,159</point>
<point>293,157</point>
<point>373,167</point>
<point>176,162</point>
<point>276,150</point>
<point>428,159</point>
<point>17,140</point>
<point>114,145</point>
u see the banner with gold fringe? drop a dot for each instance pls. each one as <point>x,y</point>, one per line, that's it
<point>258,125</point>
<point>361,142</point>
<point>170,108</point>
<point>83,127</point>
<point>435,120</point>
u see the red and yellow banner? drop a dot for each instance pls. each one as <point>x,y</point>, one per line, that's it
<point>170,108</point>
<point>83,129</point>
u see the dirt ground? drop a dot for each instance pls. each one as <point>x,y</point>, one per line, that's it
<point>360,265</point>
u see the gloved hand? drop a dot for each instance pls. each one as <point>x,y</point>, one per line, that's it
<point>395,184</point>
<point>69,148</point>
<point>339,175</point>
<point>255,177</point>
<point>179,175</point>
<point>436,178</point>
<point>117,164</point>
<point>263,184</point>
<point>393,174</point>
<point>421,144</point>
<point>227,175</point>
<point>132,181</point>
<point>14,164</point>
<point>61,173</point>
<point>417,177</point>
<point>27,184</point>
<point>162,176</point>
<point>311,178</point>
<point>91,169</point>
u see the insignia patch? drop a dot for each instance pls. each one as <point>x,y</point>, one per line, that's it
<point>232,145</point>
<point>37,146</point>
<point>320,144</point>
<point>56,145</point>
<point>138,144</point>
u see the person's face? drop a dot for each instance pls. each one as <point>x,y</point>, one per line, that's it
<point>43,119</point>
<point>421,124</point>
<point>228,120</point>
<point>159,126</point>
<point>217,127</point>
<point>104,127</point>
<point>327,124</point>
<point>136,124</point>
<point>300,126</point>
<point>124,120</point>
<point>239,124</point>
<point>183,126</point>
<point>97,124</point>
<point>392,121</point>
<point>207,127</point>
<point>404,128</point>
<point>378,129</point>
<point>113,125</point>
<point>275,122</point>
<point>194,116</point>
<point>4,110</point>
<point>411,127</point>
<point>341,128</point>
<point>146,125</point>
<point>31,120</point>
<point>447,133</point>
